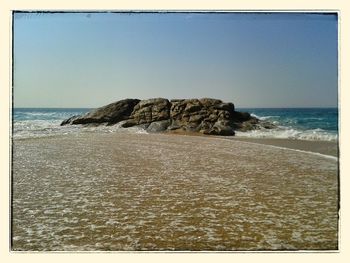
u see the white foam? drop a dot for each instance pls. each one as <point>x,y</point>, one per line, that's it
<point>256,116</point>
<point>290,133</point>
<point>268,117</point>
<point>44,128</point>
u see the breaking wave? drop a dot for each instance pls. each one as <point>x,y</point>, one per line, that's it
<point>290,133</point>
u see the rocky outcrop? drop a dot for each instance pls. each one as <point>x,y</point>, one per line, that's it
<point>110,114</point>
<point>206,116</point>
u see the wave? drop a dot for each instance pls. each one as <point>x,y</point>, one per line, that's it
<point>44,128</point>
<point>298,124</point>
<point>45,114</point>
<point>290,133</point>
<point>268,117</point>
<point>265,117</point>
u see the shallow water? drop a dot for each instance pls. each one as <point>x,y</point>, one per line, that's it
<point>164,192</point>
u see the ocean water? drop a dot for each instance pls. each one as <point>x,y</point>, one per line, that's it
<point>292,123</point>
<point>43,122</point>
<point>315,124</point>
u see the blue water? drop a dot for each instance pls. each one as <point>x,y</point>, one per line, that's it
<point>301,118</point>
<point>39,122</point>
<point>46,114</point>
<point>292,123</point>
<point>297,123</point>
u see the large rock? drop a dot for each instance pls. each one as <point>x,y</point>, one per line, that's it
<point>110,114</point>
<point>207,116</point>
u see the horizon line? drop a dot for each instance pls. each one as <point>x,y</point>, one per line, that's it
<point>241,107</point>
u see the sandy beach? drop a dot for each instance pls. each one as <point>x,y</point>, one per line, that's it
<point>123,191</point>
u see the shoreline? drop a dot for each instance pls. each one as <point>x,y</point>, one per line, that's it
<point>321,147</point>
<point>327,148</point>
<point>330,148</point>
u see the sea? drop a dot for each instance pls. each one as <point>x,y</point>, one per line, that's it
<point>315,124</point>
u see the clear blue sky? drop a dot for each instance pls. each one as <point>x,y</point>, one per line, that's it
<point>252,60</point>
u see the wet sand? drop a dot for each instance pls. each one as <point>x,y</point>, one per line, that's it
<point>164,192</point>
<point>322,147</point>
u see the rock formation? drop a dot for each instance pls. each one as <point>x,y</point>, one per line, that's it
<point>206,116</point>
<point>111,114</point>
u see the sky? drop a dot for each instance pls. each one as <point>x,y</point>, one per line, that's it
<point>88,60</point>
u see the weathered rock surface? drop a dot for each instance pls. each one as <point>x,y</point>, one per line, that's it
<point>110,114</point>
<point>158,126</point>
<point>148,111</point>
<point>207,116</point>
